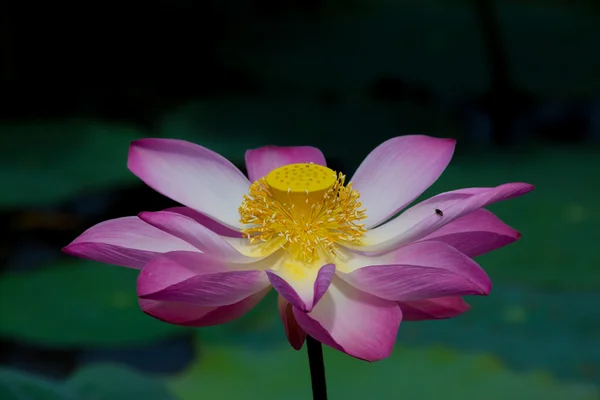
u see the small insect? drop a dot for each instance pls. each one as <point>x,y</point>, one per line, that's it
<point>439,212</point>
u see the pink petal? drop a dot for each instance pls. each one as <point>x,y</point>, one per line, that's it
<point>420,271</point>
<point>440,308</point>
<point>197,235</point>
<point>202,219</point>
<point>127,241</point>
<point>476,233</point>
<point>295,334</point>
<point>178,313</point>
<point>199,279</point>
<point>397,172</point>
<point>303,292</point>
<point>353,322</point>
<point>193,315</point>
<point>263,160</point>
<point>192,175</point>
<point>421,220</point>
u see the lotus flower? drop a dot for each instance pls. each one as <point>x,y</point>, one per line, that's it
<point>347,272</point>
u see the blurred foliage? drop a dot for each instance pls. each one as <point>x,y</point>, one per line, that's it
<point>276,372</point>
<point>445,53</point>
<point>527,329</point>
<point>231,372</point>
<point>15,385</point>
<point>52,161</point>
<point>112,382</point>
<point>97,382</point>
<point>77,303</point>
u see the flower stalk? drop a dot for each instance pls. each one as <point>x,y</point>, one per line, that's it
<point>317,368</point>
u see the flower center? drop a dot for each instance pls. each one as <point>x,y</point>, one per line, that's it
<point>304,209</point>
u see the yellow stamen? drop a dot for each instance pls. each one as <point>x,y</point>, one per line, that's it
<point>304,209</point>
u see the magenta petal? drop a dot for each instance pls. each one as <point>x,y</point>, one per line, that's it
<point>439,308</point>
<point>127,241</point>
<point>324,279</point>
<point>420,271</point>
<point>354,322</point>
<point>191,175</point>
<point>194,233</point>
<point>303,293</point>
<point>199,279</point>
<point>421,220</point>
<point>475,233</point>
<point>177,313</point>
<point>263,160</point>
<point>286,291</point>
<point>228,313</point>
<point>193,315</point>
<point>397,172</point>
<point>208,222</point>
<point>295,334</point>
